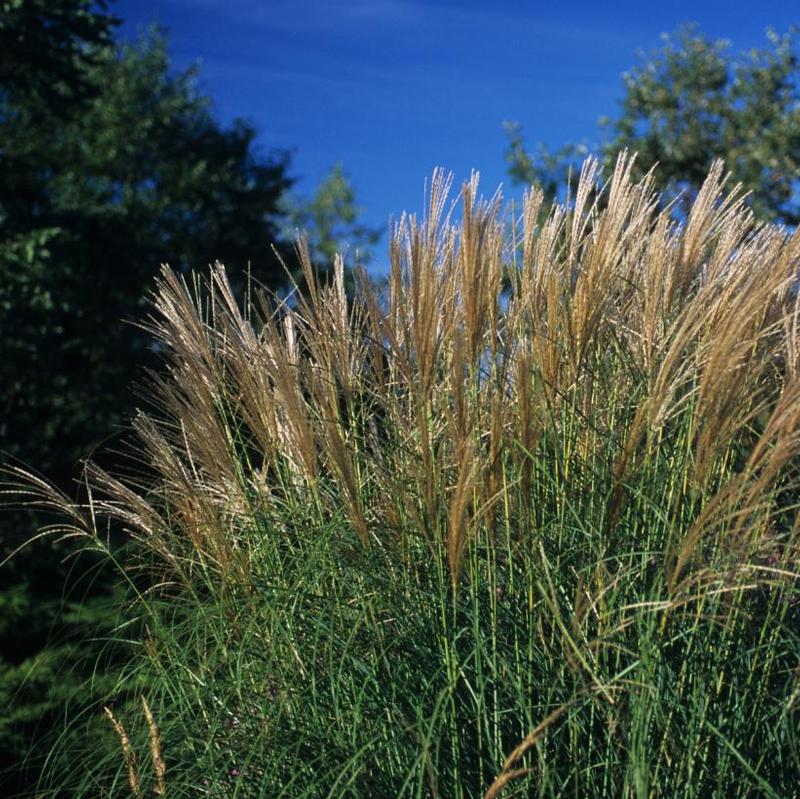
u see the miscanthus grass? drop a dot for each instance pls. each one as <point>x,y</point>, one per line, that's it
<point>522,524</point>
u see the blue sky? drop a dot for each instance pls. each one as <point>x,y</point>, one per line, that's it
<point>393,88</point>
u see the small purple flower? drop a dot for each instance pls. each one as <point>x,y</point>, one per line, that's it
<point>234,772</point>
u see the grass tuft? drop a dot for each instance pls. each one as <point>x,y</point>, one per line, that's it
<point>524,523</point>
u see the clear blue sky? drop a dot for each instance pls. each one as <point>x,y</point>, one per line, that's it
<point>392,88</point>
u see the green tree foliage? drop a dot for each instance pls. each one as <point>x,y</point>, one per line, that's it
<point>138,175</point>
<point>46,45</point>
<point>330,220</point>
<point>689,103</point>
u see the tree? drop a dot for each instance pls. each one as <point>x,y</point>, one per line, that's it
<point>330,221</point>
<point>45,47</point>
<point>95,199</point>
<point>686,105</point>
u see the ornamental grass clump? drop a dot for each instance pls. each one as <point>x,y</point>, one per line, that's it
<point>522,523</point>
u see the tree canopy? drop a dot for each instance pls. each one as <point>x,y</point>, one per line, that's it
<point>331,219</point>
<point>46,45</point>
<point>689,103</point>
<point>134,173</point>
